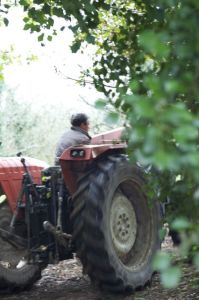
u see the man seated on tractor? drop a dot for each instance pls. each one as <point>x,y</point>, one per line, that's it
<point>76,135</point>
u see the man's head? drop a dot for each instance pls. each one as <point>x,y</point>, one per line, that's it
<point>80,120</point>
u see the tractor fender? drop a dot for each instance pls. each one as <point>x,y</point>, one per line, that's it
<point>75,161</point>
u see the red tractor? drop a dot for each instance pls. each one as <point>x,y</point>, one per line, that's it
<point>94,204</point>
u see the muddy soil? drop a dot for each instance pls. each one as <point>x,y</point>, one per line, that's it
<point>65,281</point>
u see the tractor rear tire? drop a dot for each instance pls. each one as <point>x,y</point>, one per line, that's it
<point>115,227</point>
<point>13,278</point>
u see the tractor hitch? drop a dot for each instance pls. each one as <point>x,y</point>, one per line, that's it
<point>61,237</point>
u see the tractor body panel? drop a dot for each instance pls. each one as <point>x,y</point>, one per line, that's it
<point>110,136</point>
<point>11,173</point>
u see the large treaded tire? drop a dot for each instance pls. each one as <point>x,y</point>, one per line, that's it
<point>116,258</point>
<point>11,278</point>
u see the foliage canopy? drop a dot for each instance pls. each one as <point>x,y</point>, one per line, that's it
<point>147,65</point>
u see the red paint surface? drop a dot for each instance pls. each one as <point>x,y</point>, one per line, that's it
<point>73,167</point>
<point>11,173</point>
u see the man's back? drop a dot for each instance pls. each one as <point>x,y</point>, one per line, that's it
<point>78,134</point>
<point>69,138</point>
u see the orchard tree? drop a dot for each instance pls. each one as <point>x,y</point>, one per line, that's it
<point>23,129</point>
<point>147,65</point>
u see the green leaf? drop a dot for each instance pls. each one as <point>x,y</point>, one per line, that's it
<point>170,278</point>
<point>162,233</point>
<point>154,43</point>
<point>172,86</point>
<point>177,114</point>
<point>46,8</point>
<point>26,19</point>
<point>113,117</point>
<point>6,21</point>
<point>90,39</point>
<point>144,108</point>
<point>196,260</point>
<point>27,26</point>
<point>100,104</point>
<point>165,160</point>
<point>57,11</point>
<point>181,223</point>
<point>49,38</point>
<point>134,85</point>
<point>161,261</point>
<point>25,3</point>
<point>38,1</point>
<point>40,37</point>
<point>89,7</point>
<point>50,22</point>
<point>75,47</point>
<point>185,133</point>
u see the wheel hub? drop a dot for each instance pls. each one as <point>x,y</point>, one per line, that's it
<point>123,224</point>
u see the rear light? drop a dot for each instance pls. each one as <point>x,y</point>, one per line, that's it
<point>77,153</point>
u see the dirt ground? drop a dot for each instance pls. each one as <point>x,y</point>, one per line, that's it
<point>66,282</point>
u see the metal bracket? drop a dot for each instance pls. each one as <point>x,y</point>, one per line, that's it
<point>2,199</point>
<point>61,237</point>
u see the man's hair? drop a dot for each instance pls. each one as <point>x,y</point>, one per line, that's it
<point>78,119</point>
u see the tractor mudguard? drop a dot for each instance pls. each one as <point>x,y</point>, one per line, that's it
<point>76,160</point>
